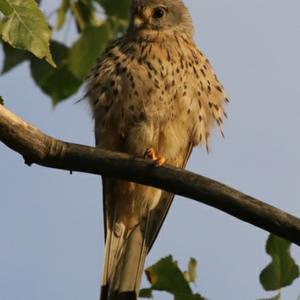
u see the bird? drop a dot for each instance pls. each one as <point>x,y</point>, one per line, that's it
<point>153,94</point>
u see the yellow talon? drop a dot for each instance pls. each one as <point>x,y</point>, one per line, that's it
<point>160,161</point>
<point>151,154</point>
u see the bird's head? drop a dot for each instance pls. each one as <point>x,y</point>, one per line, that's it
<point>160,15</point>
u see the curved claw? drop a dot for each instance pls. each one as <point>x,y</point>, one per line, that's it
<point>160,161</point>
<point>150,154</point>
<point>157,159</point>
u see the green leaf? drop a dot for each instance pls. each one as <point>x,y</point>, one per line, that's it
<point>282,271</point>
<point>146,293</point>
<point>84,13</point>
<point>188,297</point>
<point>276,297</point>
<point>1,101</point>
<point>25,27</point>
<point>166,276</point>
<point>13,57</point>
<point>87,49</point>
<point>5,8</point>
<point>116,8</point>
<point>58,83</point>
<point>191,274</point>
<point>61,13</point>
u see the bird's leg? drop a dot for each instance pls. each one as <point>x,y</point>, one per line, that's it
<point>159,160</point>
<point>150,154</point>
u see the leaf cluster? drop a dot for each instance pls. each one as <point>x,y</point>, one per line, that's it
<point>57,68</point>
<point>165,275</point>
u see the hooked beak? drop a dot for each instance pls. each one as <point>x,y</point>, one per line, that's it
<point>142,18</point>
<point>138,22</point>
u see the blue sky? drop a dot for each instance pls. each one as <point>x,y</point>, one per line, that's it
<point>51,239</point>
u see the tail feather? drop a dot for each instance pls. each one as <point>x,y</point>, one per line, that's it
<point>124,261</point>
<point>127,237</point>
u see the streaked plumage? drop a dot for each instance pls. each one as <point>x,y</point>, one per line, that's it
<point>152,88</point>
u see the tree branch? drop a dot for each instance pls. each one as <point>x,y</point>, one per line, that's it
<point>36,147</point>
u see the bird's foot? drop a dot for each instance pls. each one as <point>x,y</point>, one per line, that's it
<point>157,159</point>
<point>160,161</point>
<point>150,154</point>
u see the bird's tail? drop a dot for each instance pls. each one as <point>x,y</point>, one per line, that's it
<point>124,263</point>
<point>127,241</point>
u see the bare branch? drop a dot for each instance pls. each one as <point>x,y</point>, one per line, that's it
<point>36,147</point>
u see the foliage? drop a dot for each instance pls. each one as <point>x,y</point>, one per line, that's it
<point>165,275</point>
<point>85,51</point>
<point>115,8</point>
<point>24,27</point>
<point>282,271</point>
<point>59,82</point>
<point>276,297</point>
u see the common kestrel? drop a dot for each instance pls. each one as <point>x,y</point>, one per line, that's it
<point>154,95</point>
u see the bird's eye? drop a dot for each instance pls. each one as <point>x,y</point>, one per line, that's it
<point>158,12</point>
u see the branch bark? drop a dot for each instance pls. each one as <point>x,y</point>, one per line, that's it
<point>39,148</point>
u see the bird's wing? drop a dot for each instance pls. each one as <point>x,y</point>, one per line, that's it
<point>160,212</point>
